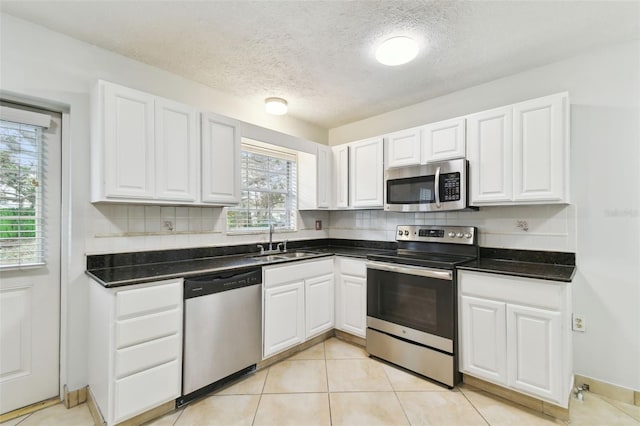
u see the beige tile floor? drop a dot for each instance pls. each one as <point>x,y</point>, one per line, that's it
<point>336,383</point>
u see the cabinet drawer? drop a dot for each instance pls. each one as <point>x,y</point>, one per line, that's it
<point>141,329</point>
<point>146,355</point>
<point>146,390</point>
<point>353,267</point>
<point>148,299</point>
<point>297,271</point>
<point>525,291</point>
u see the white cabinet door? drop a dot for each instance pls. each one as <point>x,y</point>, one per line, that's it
<point>283,317</point>
<point>220,160</point>
<point>319,306</point>
<point>341,174</point>
<point>177,138</point>
<point>129,145</point>
<point>444,140</point>
<point>490,155</point>
<point>353,305</point>
<point>535,353</point>
<point>324,176</point>
<point>366,173</point>
<point>540,149</point>
<point>483,348</point>
<point>403,148</point>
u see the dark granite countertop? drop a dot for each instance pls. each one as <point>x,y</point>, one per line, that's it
<point>553,266</point>
<point>122,269</point>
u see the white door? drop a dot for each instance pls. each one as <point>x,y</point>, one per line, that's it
<point>353,305</point>
<point>220,160</point>
<point>535,351</point>
<point>489,151</point>
<point>366,173</point>
<point>444,140</point>
<point>283,317</point>
<point>403,148</point>
<point>319,310</point>
<point>483,347</point>
<point>29,259</point>
<point>129,143</point>
<point>341,175</point>
<point>540,148</point>
<point>177,135</point>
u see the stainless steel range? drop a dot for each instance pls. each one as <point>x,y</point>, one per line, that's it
<point>412,299</point>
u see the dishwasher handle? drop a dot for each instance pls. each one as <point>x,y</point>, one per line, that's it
<point>217,283</point>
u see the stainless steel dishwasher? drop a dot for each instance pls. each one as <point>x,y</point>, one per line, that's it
<point>222,330</point>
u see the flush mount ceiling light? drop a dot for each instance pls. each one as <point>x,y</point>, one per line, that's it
<point>276,106</point>
<point>397,51</point>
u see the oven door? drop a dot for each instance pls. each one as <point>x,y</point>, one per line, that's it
<point>413,303</point>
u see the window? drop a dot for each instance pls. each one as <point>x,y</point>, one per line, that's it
<point>21,168</point>
<point>268,182</point>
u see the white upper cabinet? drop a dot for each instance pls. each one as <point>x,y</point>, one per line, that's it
<point>147,149</point>
<point>341,173</point>
<point>125,126</point>
<point>519,154</point>
<point>366,173</point>
<point>489,151</point>
<point>541,149</point>
<point>324,176</point>
<point>177,141</point>
<point>220,160</point>
<point>403,148</point>
<point>444,140</point>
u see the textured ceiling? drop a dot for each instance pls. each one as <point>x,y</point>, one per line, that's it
<point>319,55</point>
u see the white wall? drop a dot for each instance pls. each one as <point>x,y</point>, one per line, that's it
<point>48,68</point>
<point>603,225</point>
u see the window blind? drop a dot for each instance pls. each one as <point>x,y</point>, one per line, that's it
<point>269,190</point>
<point>22,239</point>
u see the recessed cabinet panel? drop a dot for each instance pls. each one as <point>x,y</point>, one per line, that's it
<point>341,171</point>
<point>483,337</point>
<point>444,140</point>
<point>540,160</point>
<point>129,144</point>
<point>353,305</point>
<point>283,317</point>
<point>403,148</point>
<point>177,151</point>
<point>220,160</point>
<point>366,173</point>
<point>489,151</point>
<point>535,358</point>
<point>319,309</point>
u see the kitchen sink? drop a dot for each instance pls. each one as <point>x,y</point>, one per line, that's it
<point>282,256</point>
<point>293,255</point>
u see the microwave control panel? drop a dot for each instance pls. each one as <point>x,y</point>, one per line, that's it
<point>450,186</point>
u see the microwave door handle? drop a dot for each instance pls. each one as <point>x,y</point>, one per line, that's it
<point>437,187</point>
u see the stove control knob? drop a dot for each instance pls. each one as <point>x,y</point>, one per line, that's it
<point>459,235</point>
<point>451,234</point>
<point>400,232</point>
<point>406,233</point>
<point>468,235</point>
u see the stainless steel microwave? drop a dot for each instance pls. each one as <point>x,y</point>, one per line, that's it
<point>432,187</point>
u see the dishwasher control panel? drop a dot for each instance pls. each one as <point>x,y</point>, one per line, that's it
<point>216,283</point>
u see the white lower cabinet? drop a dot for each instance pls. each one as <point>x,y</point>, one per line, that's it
<point>298,303</point>
<point>516,332</point>
<point>351,296</point>
<point>135,351</point>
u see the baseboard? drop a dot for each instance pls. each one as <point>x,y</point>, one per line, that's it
<point>348,337</point>
<point>294,350</point>
<point>75,397</point>
<point>530,402</point>
<point>98,420</point>
<point>619,393</point>
<point>29,409</point>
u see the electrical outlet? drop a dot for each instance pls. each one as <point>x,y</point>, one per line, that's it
<point>318,225</point>
<point>579,323</point>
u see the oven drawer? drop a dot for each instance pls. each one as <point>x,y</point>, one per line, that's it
<point>422,360</point>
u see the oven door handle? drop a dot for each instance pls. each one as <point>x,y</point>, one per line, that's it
<point>437,187</point>
<point>412,270</point>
